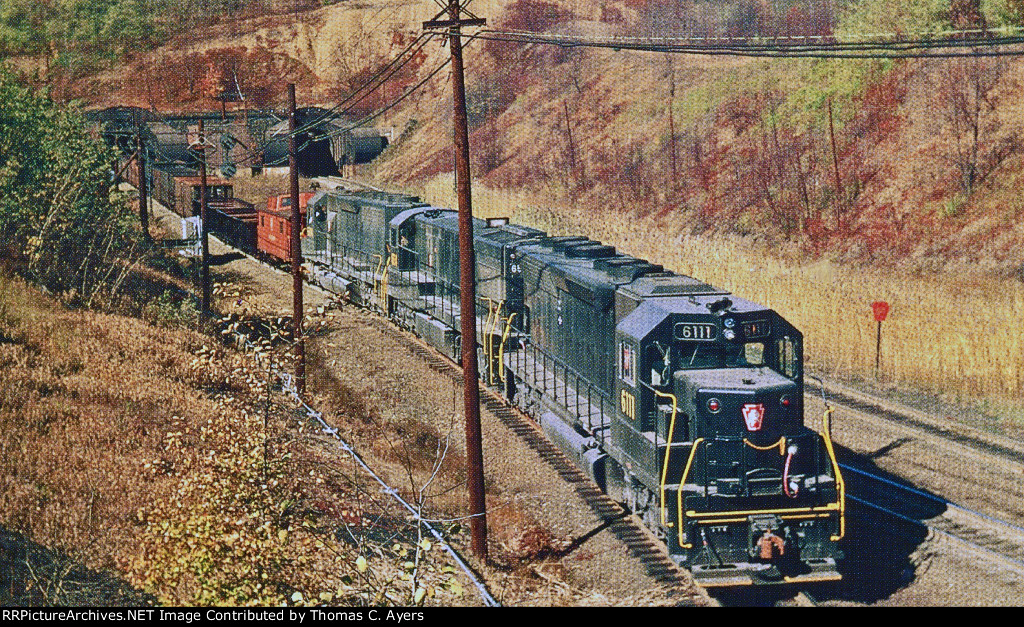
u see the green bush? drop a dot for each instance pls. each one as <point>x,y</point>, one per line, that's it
<point>61,219</point>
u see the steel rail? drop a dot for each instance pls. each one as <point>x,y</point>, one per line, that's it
<point>877,408</point>
<point>1015,564</point>
<point>933,497</point>
<point>638,539</point>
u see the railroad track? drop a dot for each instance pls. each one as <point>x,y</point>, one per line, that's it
<point>640,542</point>
<point>969,438</point>
<point>988,535</point>
<point>997,539</point>
<point>969,528</point>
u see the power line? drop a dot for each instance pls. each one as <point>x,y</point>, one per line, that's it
<point>333,112</point>
<point>408,92</point>
<point>380,77</point>
<point>383,110</point>
<point>761,47</point>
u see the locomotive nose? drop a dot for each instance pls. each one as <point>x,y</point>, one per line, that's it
<point>754,403</point>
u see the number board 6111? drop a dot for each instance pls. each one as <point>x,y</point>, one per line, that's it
<point>695,331</point>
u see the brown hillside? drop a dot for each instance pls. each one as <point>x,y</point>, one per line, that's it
<point>726,145</point>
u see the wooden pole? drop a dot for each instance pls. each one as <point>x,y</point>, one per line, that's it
<point>143,189</point>
<point>202,218</point>
<point>296,246</point>
<point>467,294</point>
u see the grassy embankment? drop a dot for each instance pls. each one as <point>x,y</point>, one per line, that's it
<point>952,334</point>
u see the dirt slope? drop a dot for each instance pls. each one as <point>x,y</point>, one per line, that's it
<point>727,145</point>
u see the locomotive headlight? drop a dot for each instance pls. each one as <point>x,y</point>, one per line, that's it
<point>714,405</point>
<point>729,323</point>
<point>729,334</point>
<point>785,401</point>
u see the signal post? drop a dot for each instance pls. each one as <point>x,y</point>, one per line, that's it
<point>201,148</point>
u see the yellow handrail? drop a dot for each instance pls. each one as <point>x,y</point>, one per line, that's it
<point>384,278</point>
<point>679,495</point>
<point>827,436</point>
<point>668,450</point>
<point>501,348</point>
<point>781,444</point>
<point>490,340</point>
<point>376,290</point>
<point>487,349</point>
<point>831,507</point>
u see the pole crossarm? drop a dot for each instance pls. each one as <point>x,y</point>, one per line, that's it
<point>437,24</point>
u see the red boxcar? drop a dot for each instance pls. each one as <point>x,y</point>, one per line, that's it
<point>274,230</point>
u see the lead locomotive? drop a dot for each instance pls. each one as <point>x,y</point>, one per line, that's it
<point>679,399</point>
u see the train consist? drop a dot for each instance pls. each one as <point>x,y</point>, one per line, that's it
<point>679,399</point>
<point>263,232</point>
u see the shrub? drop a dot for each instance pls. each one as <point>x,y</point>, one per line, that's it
<point>60,217</point>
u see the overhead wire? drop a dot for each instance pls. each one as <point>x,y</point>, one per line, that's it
<point>408,92</point>
<point>330,113</point>
<point>373,83</point>
<point>769,47</point>
<point>982,43</point>
<point>379,77</point>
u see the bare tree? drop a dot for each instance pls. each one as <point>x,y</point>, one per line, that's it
<point>963,99</point>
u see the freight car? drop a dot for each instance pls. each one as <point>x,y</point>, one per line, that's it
<point>177,187</point>
<point>679,399</point>
<point>234,221</point>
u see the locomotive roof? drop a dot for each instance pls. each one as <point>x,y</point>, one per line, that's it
<point>448,219</point>
<point>364,198</point>
<point>589,263</point>
<point>669,284</point>
<point>652,311</point>
<point>499,235</point>
<point>399,219</point>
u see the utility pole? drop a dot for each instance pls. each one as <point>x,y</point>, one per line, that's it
<point>143,191</point>
<point>467,279</point>
<point>293,170</point>
<point>202,217</point>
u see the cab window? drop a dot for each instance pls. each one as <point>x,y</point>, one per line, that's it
<point>627,363</point>
<point>706,355</point>
<point>753,353</point>
<point>789,357</point>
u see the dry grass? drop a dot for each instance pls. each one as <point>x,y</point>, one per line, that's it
<point>162,458</point>
<point>953,335</point>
